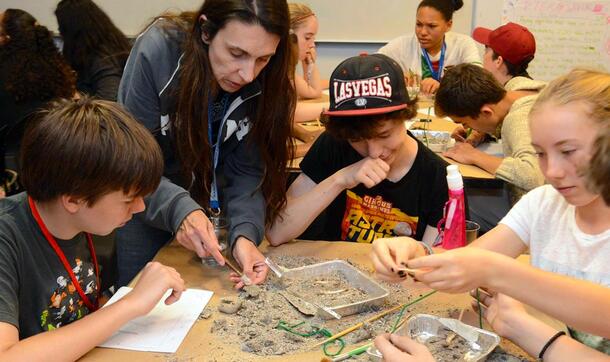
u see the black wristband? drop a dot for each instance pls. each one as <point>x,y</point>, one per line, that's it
<point>549,343</point>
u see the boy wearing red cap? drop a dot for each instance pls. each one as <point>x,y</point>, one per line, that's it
<point>365,175</point>
<point>508,51</point>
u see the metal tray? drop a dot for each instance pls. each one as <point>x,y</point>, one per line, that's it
<point>423,326</point>
<point>438,141</point>
<point>355,277</point>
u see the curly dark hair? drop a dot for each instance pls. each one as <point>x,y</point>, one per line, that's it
<point>357,128</point>
<point>86,31</point>
<point>31,65</point>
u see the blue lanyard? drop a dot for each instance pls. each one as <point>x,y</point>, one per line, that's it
<point>441,62</point>
<point>214,203</point>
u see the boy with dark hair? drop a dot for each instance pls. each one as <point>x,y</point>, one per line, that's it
<point>86,167</point>
<point>508,51</point>
<point>366,175</point>
<point>472,97</point>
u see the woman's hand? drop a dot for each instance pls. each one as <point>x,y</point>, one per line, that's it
<point>251,260</point>
<point>196,233</point>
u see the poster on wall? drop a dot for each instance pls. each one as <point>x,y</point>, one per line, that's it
<point>569,34</point>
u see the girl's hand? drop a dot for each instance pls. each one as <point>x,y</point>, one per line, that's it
<point>395,348</point>
<point>391,254</point>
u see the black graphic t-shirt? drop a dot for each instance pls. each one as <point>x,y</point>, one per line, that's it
<point>36,293</point>
<point>403,208</point>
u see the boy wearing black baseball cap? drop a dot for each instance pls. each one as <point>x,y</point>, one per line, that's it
<point>365,176</point>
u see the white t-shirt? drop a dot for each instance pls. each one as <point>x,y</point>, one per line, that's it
<point>406,51</point>
<point>546,222</point>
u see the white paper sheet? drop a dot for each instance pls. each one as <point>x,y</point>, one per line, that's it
<point>164,328</point>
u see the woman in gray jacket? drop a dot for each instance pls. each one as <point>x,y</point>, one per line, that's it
<point>207,86</point>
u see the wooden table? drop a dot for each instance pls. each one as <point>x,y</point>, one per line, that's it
<point>201,345</point>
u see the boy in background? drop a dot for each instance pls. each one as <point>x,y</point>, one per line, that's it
<point>86,167</point>
<point>472,97</point>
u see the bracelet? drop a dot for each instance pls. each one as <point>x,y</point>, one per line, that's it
<point>549,343</point>
<point>427,248</point>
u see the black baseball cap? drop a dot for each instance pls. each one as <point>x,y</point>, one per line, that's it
<point>367,85</point>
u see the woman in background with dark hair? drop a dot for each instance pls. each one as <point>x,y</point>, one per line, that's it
<point>214,88</point>
<point>432,47</point>
<point>95,48</point>
<point>32,72</point>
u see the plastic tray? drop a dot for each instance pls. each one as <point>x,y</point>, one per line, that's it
<point>375,292</point>
<point>437,141</point>
<point>423,326</point>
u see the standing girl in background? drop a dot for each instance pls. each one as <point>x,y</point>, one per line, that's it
<point>432,47</point>
<point>207,85</point>
<point>95,48</point>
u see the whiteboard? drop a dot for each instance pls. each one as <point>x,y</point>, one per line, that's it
<point>378,21</point>
<point>569,34</point>
<point>340,20</point>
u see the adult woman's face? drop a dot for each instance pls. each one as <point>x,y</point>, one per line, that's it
<point>430,28</point>
<point>239,52</point>
<point>306,34</point>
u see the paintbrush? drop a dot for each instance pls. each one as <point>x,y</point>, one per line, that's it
<point>243,277</point>
<point>358,350</point>
<point>357,325</point>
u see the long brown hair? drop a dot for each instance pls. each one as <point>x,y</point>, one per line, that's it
<point>272,122</point>
<point>87,30</point>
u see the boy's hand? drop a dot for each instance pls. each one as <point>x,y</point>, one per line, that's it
<point>196,233</point>
<point>251,260</point>
<point>459,134</point>
<point>368,171</point>
<point>154,281</point>
<point>395,348</point>
<point>391,254</point>
<point>476,138</point>
<point>458,270</point>
<point>463,152</point>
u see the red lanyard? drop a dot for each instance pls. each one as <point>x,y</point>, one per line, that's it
<point>64,261</point>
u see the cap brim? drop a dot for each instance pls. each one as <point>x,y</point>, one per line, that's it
<point>366,111</point>
<point>481,35</point>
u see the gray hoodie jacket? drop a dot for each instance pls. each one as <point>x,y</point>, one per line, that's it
<point>147,89</point>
